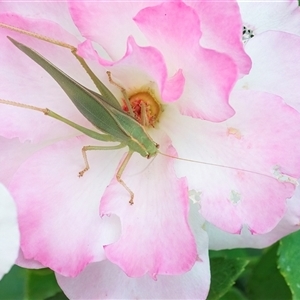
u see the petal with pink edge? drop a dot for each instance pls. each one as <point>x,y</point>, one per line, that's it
<point>174,29</point>
<point>57,12</point>
<point>140,67</point>
<point>35,86</point>
<point>280,78</point>
<point>221,30</point>
<point>109,23</point>
<point>156,238</point>
<point>27,263</point>
<point>219,239</point>
<point>106,280</point>
<point>9,231</point>
<point>59,221</point>
<point>241,161</point>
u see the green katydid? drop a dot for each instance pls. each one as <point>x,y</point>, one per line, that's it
<point>103,111</point>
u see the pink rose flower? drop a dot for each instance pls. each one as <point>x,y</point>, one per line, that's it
<point>189,57</point>
<point>274,27</point>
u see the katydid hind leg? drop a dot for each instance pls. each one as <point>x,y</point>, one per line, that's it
<point>93,134</point>
<point>119,175</point>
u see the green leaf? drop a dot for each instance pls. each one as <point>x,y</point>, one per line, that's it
<point>13,284</point>
<point>233,294</point>
<point>25,284</point>
<point>58,296</point>
<point>224,272</point>
<point>265,281</point>
<point>41,284</point>
<point>247,253</point>
<point>289,262</point>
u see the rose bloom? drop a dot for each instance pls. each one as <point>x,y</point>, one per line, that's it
<point>9,232</point>
<point>272,27</point>
<point>189,58</point>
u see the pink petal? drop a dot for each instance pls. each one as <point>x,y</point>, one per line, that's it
<point>106,280</point>
<point>145,65</point>
<point>255,139</point>
<point>109,23</point>
<point>267,15</point>
<point>174,29</point>
<point>9,231</point>
<point>216,69</point>
<point>156,237</point>
<point>280,78</point>
<point>27,263</point>
<point>219,239</point>
<point>58,212</point>
<point>11,156</point>
<point>221,29</point>
<point>173,87</point>
<point>57,12</point>
<point>35,86</point>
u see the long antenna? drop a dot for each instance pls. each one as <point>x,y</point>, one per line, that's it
<point>99,85</point>
<point>276,170</point>
<point>38,36</point>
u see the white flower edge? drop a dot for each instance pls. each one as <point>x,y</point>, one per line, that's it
<point>9,231</point>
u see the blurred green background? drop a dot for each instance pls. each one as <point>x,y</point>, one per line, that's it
<point>240,274</point>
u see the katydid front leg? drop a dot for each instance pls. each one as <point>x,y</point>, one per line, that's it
<point>120,170</point>
<point>88,148</point>
<point>123,90</point>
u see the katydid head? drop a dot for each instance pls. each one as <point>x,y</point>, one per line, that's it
<point>150,155</point>
<point>142,105</point>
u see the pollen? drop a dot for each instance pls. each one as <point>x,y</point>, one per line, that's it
<point>235,132</point>
<point>145,107</point>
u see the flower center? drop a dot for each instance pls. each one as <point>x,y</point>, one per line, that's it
<point>145,107</point>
